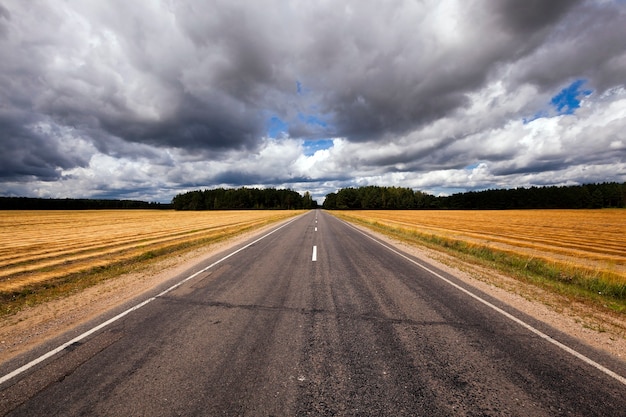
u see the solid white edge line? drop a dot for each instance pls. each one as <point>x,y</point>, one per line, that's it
<point>527,326</point>
<point>314,256</point>
<point>53,352</point>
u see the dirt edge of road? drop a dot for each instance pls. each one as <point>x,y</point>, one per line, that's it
<point>34,325</point>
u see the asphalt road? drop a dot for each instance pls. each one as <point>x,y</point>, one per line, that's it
<point>318,319</point>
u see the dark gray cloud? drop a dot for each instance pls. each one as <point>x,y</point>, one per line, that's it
<point>30,150</point>
<point>194,125</point>
<point>530,16</point>
<point>536,166</point>
<point>589,44</point>
<point>5,16</point>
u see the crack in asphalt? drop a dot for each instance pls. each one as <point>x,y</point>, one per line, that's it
<point>315,311</point>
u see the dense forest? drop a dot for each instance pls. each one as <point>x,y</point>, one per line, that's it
<point>243,199</point>
<point>605,195</point>
<point>27,203</point>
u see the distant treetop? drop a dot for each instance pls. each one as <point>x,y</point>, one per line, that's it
<point>243,199</point>
<point>605,195</point>
<point>28,203</point>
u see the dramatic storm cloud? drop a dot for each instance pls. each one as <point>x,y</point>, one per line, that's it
<point>149,98</point>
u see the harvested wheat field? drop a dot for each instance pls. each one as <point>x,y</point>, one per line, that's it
<point>588,239</point>
<point>40,246</point>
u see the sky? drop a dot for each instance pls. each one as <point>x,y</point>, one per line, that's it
<point>146,99</point>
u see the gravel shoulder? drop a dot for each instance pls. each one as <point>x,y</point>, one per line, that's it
<point>33,326</point>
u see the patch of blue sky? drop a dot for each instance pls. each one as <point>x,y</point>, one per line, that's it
<point>473,166</point>
<point>276,127</point>
<point>568,100</point>
<point>565,102</point>
<point>312,146</point>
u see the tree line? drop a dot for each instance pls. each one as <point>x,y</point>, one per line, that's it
<point>28,203</point>
<point>604,195</point>
<point>379,198</point>
<point>243,199</point>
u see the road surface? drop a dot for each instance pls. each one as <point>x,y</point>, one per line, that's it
<point>317,319</point>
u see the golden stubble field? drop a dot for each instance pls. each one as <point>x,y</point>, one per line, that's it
<point>589,239</point>
<point>40,246</point>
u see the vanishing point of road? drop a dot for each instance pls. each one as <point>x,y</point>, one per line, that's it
<point>316,318</point>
